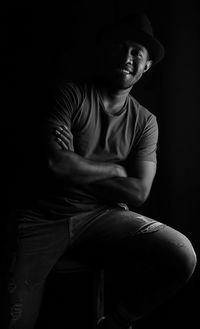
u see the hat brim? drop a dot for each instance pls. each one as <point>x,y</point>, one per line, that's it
<point>154,47</point>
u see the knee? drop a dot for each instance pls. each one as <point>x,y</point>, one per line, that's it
<point>190,258</point>
<point>185,258</point>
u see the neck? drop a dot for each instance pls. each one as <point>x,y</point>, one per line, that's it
<point>113,98</point>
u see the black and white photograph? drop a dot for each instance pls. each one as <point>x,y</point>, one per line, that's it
<point>101,165</point>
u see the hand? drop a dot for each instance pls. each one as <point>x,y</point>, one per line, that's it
<point>121,172</point>
<point>64,137</point>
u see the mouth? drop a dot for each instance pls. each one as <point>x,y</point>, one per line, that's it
<point>125,70</point>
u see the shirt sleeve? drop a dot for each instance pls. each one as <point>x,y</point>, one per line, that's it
<point>65,102</point>
<point>146,146</point>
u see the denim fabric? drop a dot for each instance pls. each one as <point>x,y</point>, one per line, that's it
<point>137,252</point>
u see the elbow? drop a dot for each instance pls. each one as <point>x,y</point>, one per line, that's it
<point>62,171</point>
<point>142,197</point>
<point>52,165</point>
<point>56,169</point>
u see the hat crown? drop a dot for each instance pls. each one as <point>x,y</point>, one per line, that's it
<point>138,22</point>
<point>136,27</point>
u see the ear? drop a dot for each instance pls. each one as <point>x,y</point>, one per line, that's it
<point>148,65</point>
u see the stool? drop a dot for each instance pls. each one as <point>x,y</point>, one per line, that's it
<point>69,267</point>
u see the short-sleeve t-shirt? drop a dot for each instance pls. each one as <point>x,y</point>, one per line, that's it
<point>127,136</point>
<point>130,134</point>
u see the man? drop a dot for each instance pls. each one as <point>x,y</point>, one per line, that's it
<point>98,166</point>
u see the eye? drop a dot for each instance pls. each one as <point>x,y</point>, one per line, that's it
<point>140,54</point>
<point>137,53</point>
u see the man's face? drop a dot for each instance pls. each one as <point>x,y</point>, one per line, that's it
<point>124,62</point>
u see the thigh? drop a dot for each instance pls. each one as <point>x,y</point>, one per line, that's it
<point>116,236</point>
<point>109,232</point>
<point>106,224</point>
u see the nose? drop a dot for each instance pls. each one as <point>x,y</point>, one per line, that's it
<point>128,55</point>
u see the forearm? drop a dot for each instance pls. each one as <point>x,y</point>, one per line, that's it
<point>75,169</point>
<point>120,190</point>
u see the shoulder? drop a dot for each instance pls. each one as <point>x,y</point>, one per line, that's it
<point>75,91</point>
<point>142,115</point>
<point>70,89</point>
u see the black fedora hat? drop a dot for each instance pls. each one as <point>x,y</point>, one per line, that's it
<point>136,27</point>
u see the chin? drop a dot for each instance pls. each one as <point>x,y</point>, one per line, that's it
<point>124,82</point>
<point>121,84</point>
<point>117,81</point>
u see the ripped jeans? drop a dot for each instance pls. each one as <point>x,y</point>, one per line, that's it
<point>146,261</point>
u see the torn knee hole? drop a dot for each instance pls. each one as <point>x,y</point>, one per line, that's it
<point>16,311</point>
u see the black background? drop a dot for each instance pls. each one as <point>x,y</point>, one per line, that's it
<point>42,42</point>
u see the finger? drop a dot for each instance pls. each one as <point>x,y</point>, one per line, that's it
<point>64,139</point>
<point>66,128</point>
<point>63,136</point>
<point>61,143</point>
<point>65,131</point>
